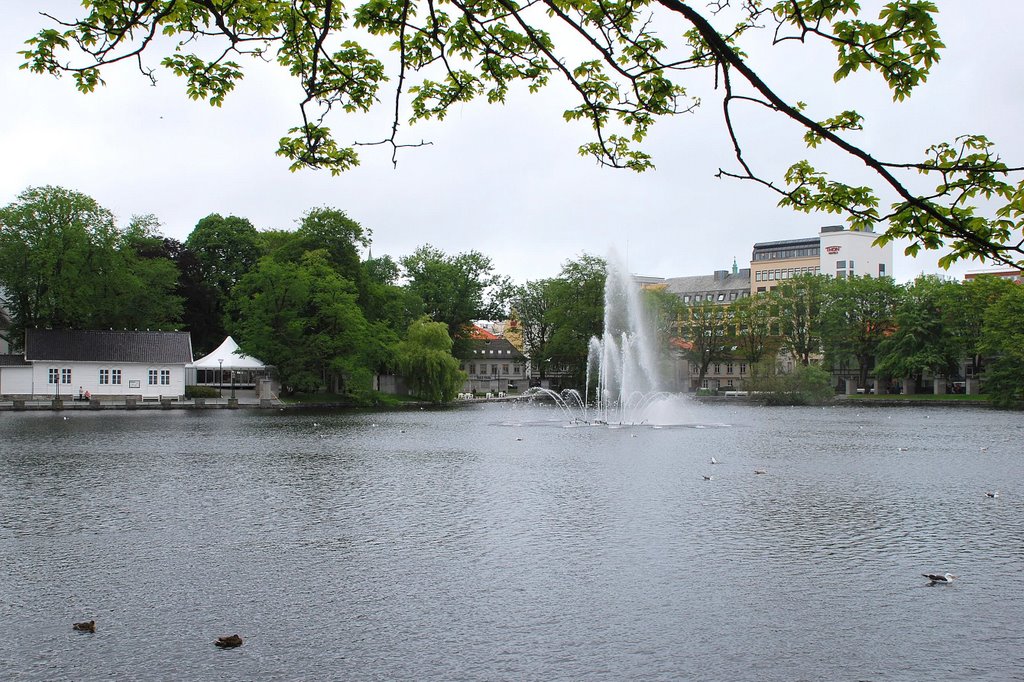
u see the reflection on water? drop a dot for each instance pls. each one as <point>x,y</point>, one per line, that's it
<point>490,542</point>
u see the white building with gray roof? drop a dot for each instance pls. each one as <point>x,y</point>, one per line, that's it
<point>68,364</point>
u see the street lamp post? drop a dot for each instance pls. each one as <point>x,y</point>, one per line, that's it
<point>220,379</point>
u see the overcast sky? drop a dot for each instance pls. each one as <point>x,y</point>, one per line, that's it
<point>503,180</point>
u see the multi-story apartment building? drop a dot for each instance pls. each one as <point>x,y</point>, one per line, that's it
<point>836,251</point>
<point>720,288</point>
<point>1010,274</point>
<point>771,263</point>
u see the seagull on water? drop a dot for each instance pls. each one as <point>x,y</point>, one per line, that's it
<point>760,471</point>
<point>994,493</point>
<point>707,478</point>
<point>713,460</point>
<point>936,578</point>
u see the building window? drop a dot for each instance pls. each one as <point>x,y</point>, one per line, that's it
<point>721,297</point>
<point>732,296</point>
<point>686,299</point>
<point>504,369</point>
<point>517,369</point>
<point>718,368</point>
<point>165,377</point>
<point>115,377</point>
<point>472,368</point>
<point>104,377</point>
<point>65,375</point>
<point>881,269</point>
<point>840,265</point>
<point>743,368</point>
<point>152,377</point>
<point>728,368</point>
<point>52,375</point>
<point>729,383</point>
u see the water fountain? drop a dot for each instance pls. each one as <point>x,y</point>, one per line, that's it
<point>623,380</point>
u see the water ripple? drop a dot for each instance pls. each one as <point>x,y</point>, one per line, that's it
<point>492,543</point>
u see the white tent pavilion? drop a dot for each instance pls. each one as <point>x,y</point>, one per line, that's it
<point>212,369</point>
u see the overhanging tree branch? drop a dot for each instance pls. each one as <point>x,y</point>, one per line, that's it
<point>624,76</point>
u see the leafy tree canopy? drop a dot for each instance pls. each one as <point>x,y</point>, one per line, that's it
<point>706,328</point>
<point>617,59</point>
<point>857,314</point>
<point>221,250</point>
<point>754,320</point>
<point>798,303</point>
<point>304,319</point>
<point>454,289</point>
<point>577,313</point>
<point>924,337</point>
<point>967,304</point>
<point>426,361</point>
<point>383,270</point>
<point>531,305</point>
<point>226,248</point>
<point>341,237</point>
<point>65,264</point>
<point>1003,340</point>
<point>382,298</point>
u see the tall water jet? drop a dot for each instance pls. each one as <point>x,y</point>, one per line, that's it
<point>623,383</point>
<point>623,363</point>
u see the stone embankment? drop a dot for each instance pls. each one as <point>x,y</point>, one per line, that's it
<point>121,403</point>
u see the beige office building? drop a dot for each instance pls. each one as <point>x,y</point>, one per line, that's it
<point>836,252</point>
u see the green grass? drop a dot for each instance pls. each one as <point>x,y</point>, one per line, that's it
<point>949,397</point>
<point>372,400</point>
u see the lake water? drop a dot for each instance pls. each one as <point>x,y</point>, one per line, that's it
<point>493,542</point>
